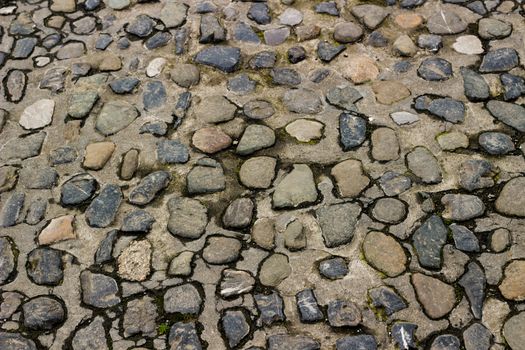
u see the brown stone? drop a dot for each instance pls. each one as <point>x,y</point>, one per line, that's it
<point>110,63</point>
<point>58,229</point>
<point>263,233</point>
<point>409,20</point>
<point>385,146</point>
<point>97,155</point>
<point>211,140</point>
<point>511,200</point>
<point>388,92</point>
<point>307,32</point>
<point>350,178</point>
<point>436,297</point>
<point>513,285</point>
<point>129,165</point>
<point>360,69</point>
<point>384,253</point>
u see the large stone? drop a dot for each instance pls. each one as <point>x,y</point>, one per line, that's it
<point>508,113</point>
<point>292,342</point>
<point>384,253</point>
<point>499,60</point>
<point>223,58</point>
<point>103,209</point>
<point>258,172</point>
<point>140,318</point>
<point>90,336</point>
<point>514,331</point>
<point>235,327</point>
<point>473,282</point>
<point>188,217</point>
<point>429,240</point>
<point>7,260</point>
<point>424,165</point>
<point>274,270</point>
<point>254,138</point>
<point>45,266</point>
<point>184,299</point>
<point>462,207</point>
<point>115,116</point>
<point>511,199</point>
<point>302,101</point>
<point>350,178</point>
<point>352,130</point>
<point>436,297</point>
<point>149,187</point>
<point>215,109</point>
<point>58,229</point>
<point>221,250</point>
<point>297,188</point>
<point>513,285</point>
<point>43,313</point>
<point>444,22</point>
<point>183,336</point>
<point>99,290</point>
<point>206,177</point>
<point>134,263</point>
<point>173,13</point>
<point>38,115</point>
<point>15,341</point>
<point>338,222</point>
<point>360,69</point>
<point>23,148</point>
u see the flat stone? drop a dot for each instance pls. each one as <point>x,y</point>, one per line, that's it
<point>327,52</point>
<point>292,342</point>
<point>235,327</point>
<point>499,60</point>
<point>215,109</point>
<point>91,336</point>
<point>81,103</point>
<point>429,240</point>
<point>448,109</point>
<point>496,143</point>
<point>387,299</point>
<point>492,28</point>
<point>38,115</point>
<point>235,282</point>
<point>135,260</point>
<point>173,14</point>
<point>258,172</point>
<point>514,330</point>
<point>181,264</point>
<point>43,313</point>
<point>343,313</point>
<point>350,178</point>
<point>436,297</point>
<point>389,92</point>
<point>223,58</point>
<point>445,22</point>
<point>15,85</point>
<point>45,266</point>
<point>464,239</point>
<point>15,341</point>
<point>477,337</point>
<point>271,308</point>
<point>297,188</point>
<point>435,69</point>
<point>302,101</point>
<point>338,222</point>
<point>363,342</point>
<point>389,210</point>
<point>512,286</point>
<point>206,177</point>
<point>172,152</point>
<point>360,69</point>
<point>263,59</point>
<point>137,221</point>
<point>115,116</point>
<point>508,113</point>
<point>254,138</point>
<point>258,109</point>
<point>263,233</point>
<point>221,250</point>
<point>58,229</point>
<point>99,290</point>
<point>149,187</point>
<point>408,20</point>
<point>238,214</point>
<point>103,209</point>
<point>7,260</point>
<point>291,17</point>
<point>274,270</point>
<point>446,342</point>
<point>140,318</point>
<point>403,333</point>
<point>97,155</point>
<point>260,13</point>
<point>511,200</point>
<point>304,130</point>
<point>276,36</point>
<point>404,118</point>
<point>63,6</point>
<point>375,246</point>
<point>183,336</point>
<point>468,45</point>
<point>211,140</point>
<point>424,165</point>
<point>462,207</point>
<point>451,141</point>
<point>347,32</point>
<point>184,299</point>
<point>72,49</point>
<point>474,282</point>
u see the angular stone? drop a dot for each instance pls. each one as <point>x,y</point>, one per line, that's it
<point>499,60</point>
<point>291,342</point>
<point>435,69</point>
<point>140,318</point>
<point>464,239</point>
<point>436,297</point>
<point>173,14</point>
<point>7,260</point>
<point>508,113</point>
<point>184,299</point>
<point>461,207</point>
<point>238,214</point>
<point>297,188</point>
<point>137,221</point>
<point>98,154</point>
<point>338,222</point>
<point>43,313</point>
<point>235,282</point>
<point>235,327</point>
<point>389,92</point>
<point>211,140</point>
<point>271,308</point>
<point>302,101</point>
<point>511,199</point>
<point>223,58</point>
<point>429,240</point>
<point>468,45</point>
<point>78,189</point>
<point>104,252</point>
<point>99,290</point>
<point>424,165</point>
<point>81,103</point>
<point>307,306</point>
<point>350,178</point>
<point>274,270</point>
<point>276,36</point>
<point>333,268</point>
<point>58,229</point>
<point>45,266</point>
<point>135,260</point>
<point>304,130</point>
<point>445,22</point>
<point>477,337</point>
<point>352,130</point>
<point>473,282</point>
<point>115,116</point>
<point>38,115</point>
<point>91,336</point>
<point>172,152</point>
<point>387,299</point>
<point>184,336</point>
<point>327,52</point>
<point>15,341</point>
<point>103,209</point>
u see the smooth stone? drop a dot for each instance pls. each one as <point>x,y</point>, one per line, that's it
<point>375,248</point>
<point>124,85</point>
<point>451,141</point>
<point>43,313</point>
<point>98,154</point>
<point>462,207</point>
<point>477,337</point>
<point>81,103</point>
<point>242,84</point>
<point>254,138</point>
<point>347,32</point>
<point>90,336</point>
<point>474,85</point>
<point>309,310</point>
<point>333,268</point>
<point>292,342</point>
<point>259,12</point>
<point>223,58</point>
<point>360,69</point>
<point>115,116</point>
<point>238,214</point>
<point>436,297</point>
<point>276,36</point>
<point>424,165</point>
<point>344,97</point>
<point>302,101</point>
<point>445,22</point>
<point>258,109</point>
<point>118,4</point>
<point>511,200</point>
<point>428,241</point>
<point>188,217</point>
<point>304,130</point>
<point>235,282</point>
<point>211,140</point>
<point>258,172</point>
<point>38,115</point>
<point>496,143</point>
<point>499,60</point>
<point>393,183</point>
<point>181,265</point>
<point>104,251</point>
<point>274,270</point>
<point>350,178</point>
<point>514,331</point>
<point>291,17</point>
<point>206,177</point>
<point>343,313</point>
<point>390,92</point>
<point>296,189</point>
<point>389,210</point>
<point>464,239</point>
<point>508,113</point>
<point>294,236</point>
<point>492,28</point>
<point>285,76</point>
<point>512,286</point>
<point>468,45</point>
<point>404,118</point>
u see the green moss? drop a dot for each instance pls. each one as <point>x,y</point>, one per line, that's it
<point>163,328</point>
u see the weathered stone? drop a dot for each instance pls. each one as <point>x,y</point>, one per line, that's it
<point>221,250</point>
<point>436,297</point>
<point>7,260</point>
<point>384,253</point>
<point>338,222</point>
<point>296,188</point>
<point>103,209</point>
<point>302,101</point>
<point>514,331</point>
<point>45,266</point>
<point>258,172</point>
<point>140,318</point>
<point>223,58</point>
<point>350,178</point>
<point>99,290</point>
<point>511,200</point>
<point>307,306</point>
<point>429,240</point>
<point>184,336</point>
<point>461,207</point>
<point>149,187</point>
<point>235,327</point>
<point>271,308</point>
<point>352,130</point>
<point>97,155</point>
<point>58,229</point>
<point>386,298</point>
<point>115,116</point>
<point>512,286</point>
<point>274,270</point>
<point>424,165</point>
<point>43,313</point>
<point>184,299</point>
<point>290,342</point>
<point>343,314</point>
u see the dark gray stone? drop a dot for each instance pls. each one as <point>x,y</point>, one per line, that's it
<point>206,176</point>
<point>464,239</point>
<point>404,335</point>
<point>474,85</point>
<point>43,313</point>
<point>499,60</point>
<point>352,130</point>
<point>446,342</point>
<point>99,290</point>
<point>159,39</point>
<point>474,282</point>
<point>387,299</point>
<point>477,337</point>
<point>343,97</point>
<point>63,155</point>
<point>103,209</point>
<point>211,30</point>
<point>496,143</point>
<point>263,59</point>
<point>45,267</point>
<point>435,69</point>
<point>356,342</point>
<point>343,313</point>
<point>429,240</point>
<point>235,327</point>
<point>508,113</point>
<point>377,39</point>
<point>224,58</point>
<point>447,108</point>
<point>184,336</point>
<point>259,12</point>
<point>156,128</point>
<point>430,42</point>
<point>327,52</point>
<point>271,308</point>
<point>241,84</point>
<point>475,174</point>
<point>137,221</point>
<point>7,260</point>
<point>296,54</point>
<point>328,8</point>
<point>309,310</point>
<point>285,76</point>
<point>104,251</point>
<point>291,342</point>
<point>154,95</point>
<point>514,86</point>
<point>24,48</point>
<point>148,187</point>
<point>243,32</point>
<point>12,209</point>
<point>78,189</point>
<point>172,152</point>
<point>141,26</point>
<point>15,341</point>
<point>181,37</point>
<point>124,85</point>
<point>91,336</point>
<point>393,183</point>
<point>333,268</point>
<point>36,211</point>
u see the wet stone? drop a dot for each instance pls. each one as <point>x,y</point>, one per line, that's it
<point>338,223</point>
<point>43,313</point>
<point>99,290</point>
<point>271,308</point>
<point>235,327</point>
<point>496,143</point>
<point>137,221</point>
<point>464,239</point>
<point>429,240</point>
<point>387,299</point>
<point>103,209</point>
<point>149,187</point>
<point>45,267</point>
<point>184,299</point>
<point>333,268</point>
<point>343,314</point>
<point>309,310</point>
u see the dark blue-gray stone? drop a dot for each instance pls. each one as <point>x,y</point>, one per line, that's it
<point>104,251</point>
<point>103,209</point>
<point>387,299</point>
<point>499,60</point>
<point>296,54</point>
<point>271,308</point>
<point>78,189</point>
<point>435,69</point>
<point>90,5</point>
<point>224,58</point>
<point>205,7</point>
<point>235,327</point>
<point>103,41</point>
<point>377,39</point>
<point>474,85</point>
<point>241,84</point>
<point>496,143</point>
<point>514,86</point>
<point>23,147</point>
<point>328,8</point>
<point>181,36</point>
<point>7,260</point>
<point>343,97</point>
<point>158,128</point>
<point>211,30</point>
<point>447,108</point>
<point>98,290</point>
<point>509,113</point>
<point>327,51</point>
<point>181,107</point>
<point>184,336</point>
<point>12,209</point>
<point>15,341</point>
<point>63,155</point>
<point>154,95</point>
<point>356,342</point>
<point>403,335</point>
<point>309,310</point>
<point>411,3</point>
<point>263,59</point>
<point>43,313</point>
<point>148,187</point>
<point>244,32</point>
<point>477,337</point>
<point>141,26</point>
<point>158,40</point>
<point>446,342</point>
<point>393,183</point>
<point>429,240</point>
<point>333,268</point>
<point>24,47</point>
<point>431,42</point>
<point>259,12</point>
<point>319,75</point>
<point>172,152</point>
<point>137,221</point>
<point>124,85</point>
<point>285,76</point>
<point>292,342</point>
<point>36,211</point>
<point>464,239</point>
<point>474,282</point>
<point>402,66</point>
<point>123,43</point>
<point>51,40</point>
<point>352,130</point>
<point>45,267</point>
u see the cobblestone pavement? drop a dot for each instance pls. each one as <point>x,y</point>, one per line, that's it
<point>279,175</point>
